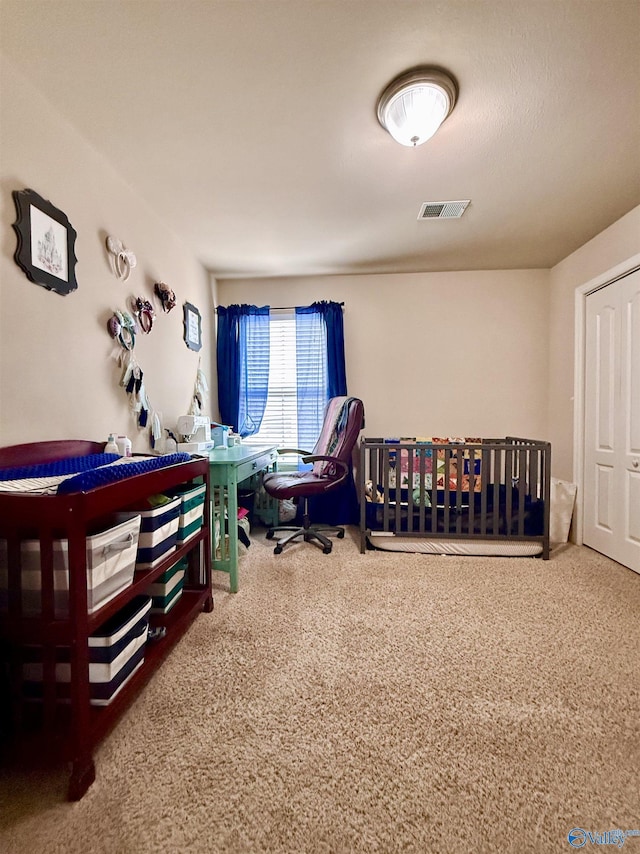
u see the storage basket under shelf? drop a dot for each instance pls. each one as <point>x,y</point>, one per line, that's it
<point>116,651</point>
<point>111,559</point>
<point>158,532</point>
<point>191,510</point>
<point>167,589</point>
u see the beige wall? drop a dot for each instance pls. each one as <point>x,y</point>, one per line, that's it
<point>607,250</point>
<point>434,353</point>
<point>58,377</point>
<point>488,353</point>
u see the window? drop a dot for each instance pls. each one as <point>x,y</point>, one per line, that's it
<point>277,368</point>
<point>297,380</point>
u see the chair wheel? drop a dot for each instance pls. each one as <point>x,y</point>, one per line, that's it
<point>340,535</point>
<point>269,535</point>
<point>326,550</point>
<point>277,550</point>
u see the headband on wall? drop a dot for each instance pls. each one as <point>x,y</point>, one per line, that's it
<point>122,326</point>
<point>123,260</point>
<point>144,313</point>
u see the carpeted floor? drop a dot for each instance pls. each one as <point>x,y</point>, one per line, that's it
<point>371,703</point>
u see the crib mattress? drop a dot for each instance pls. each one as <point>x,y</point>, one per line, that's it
<point>481,548</point>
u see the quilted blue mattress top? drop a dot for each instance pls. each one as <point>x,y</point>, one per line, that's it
<point>90,471</point>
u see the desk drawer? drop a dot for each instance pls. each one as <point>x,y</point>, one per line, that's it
<point>252,466</point>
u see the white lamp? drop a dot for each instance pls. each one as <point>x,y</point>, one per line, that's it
<point>414,105</point>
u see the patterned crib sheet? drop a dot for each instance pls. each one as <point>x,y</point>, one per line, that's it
<point>417,463</point>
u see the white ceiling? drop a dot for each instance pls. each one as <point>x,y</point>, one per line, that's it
<point>250,125</point>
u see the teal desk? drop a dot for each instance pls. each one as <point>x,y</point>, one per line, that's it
<point>228,467</point>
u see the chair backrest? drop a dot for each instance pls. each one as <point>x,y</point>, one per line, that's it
<point>343,421</point>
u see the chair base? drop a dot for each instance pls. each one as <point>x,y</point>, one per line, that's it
<point>309,533</point>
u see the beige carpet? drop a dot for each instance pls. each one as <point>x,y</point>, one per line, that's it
<point>371,703</point>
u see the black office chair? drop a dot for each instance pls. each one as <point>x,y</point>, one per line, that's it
<point>331,458</point>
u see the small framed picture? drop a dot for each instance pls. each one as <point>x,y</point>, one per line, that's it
<point>46,243</point>
<point>192,327</point>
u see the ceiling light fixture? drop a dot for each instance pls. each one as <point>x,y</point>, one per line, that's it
<point>414,105</point>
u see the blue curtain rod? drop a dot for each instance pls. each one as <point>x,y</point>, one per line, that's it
<point>291,307</point>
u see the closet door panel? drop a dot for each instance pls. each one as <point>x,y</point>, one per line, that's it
<point>601,370</point>
<point>628,422</point>
<point>612,421</point>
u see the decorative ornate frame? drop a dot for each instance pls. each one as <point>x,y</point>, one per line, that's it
<point>192,326</point>
<point>46,243</point>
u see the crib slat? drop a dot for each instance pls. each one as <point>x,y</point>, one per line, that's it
<point>385,488</point>
<point>423,486</point>
<point>472,487</point>
<point>508,476</point>
<point>495,476</point>
<point>534,472</point>
<point>485,474</point>
<point>434,490</point>
<point>447,500</point>
<point>522,488</point>
<point>410,453</point>
<point>458,507</point>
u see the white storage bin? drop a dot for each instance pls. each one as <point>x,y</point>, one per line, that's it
<point>167,524</point>
<point>111,558</point>
<point>191,510</point>
<point>163,604</point>
<point>116,651</point>
<point>103,671</point>
<point>113,636</point>
<point>167,589</point>
<point>158,532</point>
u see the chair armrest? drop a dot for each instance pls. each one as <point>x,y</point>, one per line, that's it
<point>293,451</point>
<point>342,468</point>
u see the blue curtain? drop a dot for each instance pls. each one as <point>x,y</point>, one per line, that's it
<point>337,372</point>
<point>320,365</point>
<point>320,329</point>
<point>242,350</point>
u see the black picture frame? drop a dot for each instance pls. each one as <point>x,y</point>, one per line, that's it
<point>192,326</point>
<point>46,243</point>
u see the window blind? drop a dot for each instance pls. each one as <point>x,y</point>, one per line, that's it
<point>280,421</point>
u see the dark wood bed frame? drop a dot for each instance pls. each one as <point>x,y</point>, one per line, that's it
<point>51,729</point>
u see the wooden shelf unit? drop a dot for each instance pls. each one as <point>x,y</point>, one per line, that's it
<point>71,730</point>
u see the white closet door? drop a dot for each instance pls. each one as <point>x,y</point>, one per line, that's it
<point>612,428</point>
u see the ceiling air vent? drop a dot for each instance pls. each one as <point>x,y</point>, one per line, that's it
<point>443,210</point>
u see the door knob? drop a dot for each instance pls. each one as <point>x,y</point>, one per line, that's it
<point>635,464</point>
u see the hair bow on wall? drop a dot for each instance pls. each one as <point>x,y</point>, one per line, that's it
<point>144,312</point>
<point>122,326</point>
<point>123,260</point>
<point>166,296</point>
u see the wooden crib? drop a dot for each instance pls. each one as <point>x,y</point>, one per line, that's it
<point>455,496</point>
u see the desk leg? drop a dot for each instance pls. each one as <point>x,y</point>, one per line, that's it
<point>224,494</point>
<point>232,523</point>
<point>224,557</point>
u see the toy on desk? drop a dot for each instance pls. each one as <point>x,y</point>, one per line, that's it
<point>196,434</point>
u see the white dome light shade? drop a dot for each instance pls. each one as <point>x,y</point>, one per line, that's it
<point>414,105</point>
